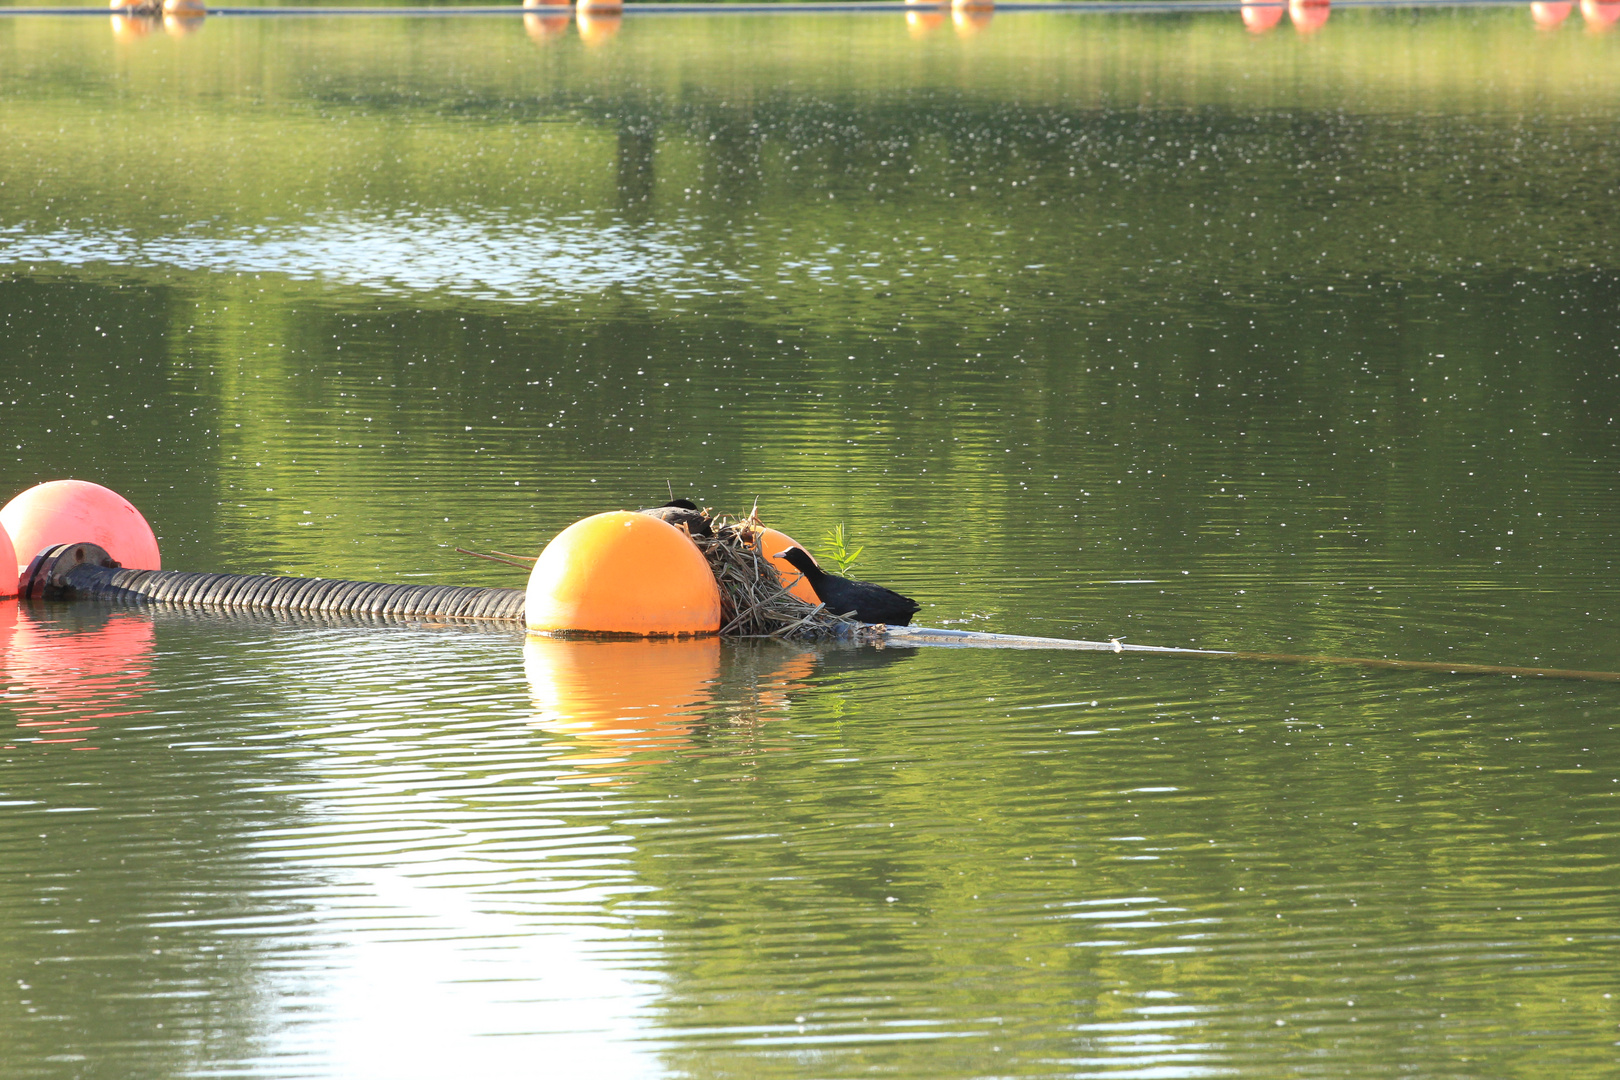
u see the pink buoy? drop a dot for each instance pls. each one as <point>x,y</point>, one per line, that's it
<point>8,559</point>
<point>68,511</point>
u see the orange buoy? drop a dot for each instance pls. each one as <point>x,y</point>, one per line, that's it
<point>1309,16</point>
<point>1259,18</point>
<point>8,559</point>
<point>1599,15</point>
<point>67,511</point>
<point>769,543</point>
<point>642,693</point>
<point>623,573</point>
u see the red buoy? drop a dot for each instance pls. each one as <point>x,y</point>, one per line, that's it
<point>68,511</point>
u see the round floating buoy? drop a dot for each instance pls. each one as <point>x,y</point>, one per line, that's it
<point>769,543</point>
<point>68,511</point>
<point>8,559</point>
<point>623,573</point>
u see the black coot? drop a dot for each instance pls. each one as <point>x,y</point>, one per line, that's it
<point>867,602</point>
<point>682,512</point>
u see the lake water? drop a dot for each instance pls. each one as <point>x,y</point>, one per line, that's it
<point>1084,325</point>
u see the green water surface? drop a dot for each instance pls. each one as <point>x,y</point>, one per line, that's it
<point>1084,325</point>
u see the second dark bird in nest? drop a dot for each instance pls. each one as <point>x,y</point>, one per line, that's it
<point>867,602</point>
<point>682,512</point>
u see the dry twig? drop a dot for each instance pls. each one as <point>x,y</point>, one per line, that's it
<point>753,601</point>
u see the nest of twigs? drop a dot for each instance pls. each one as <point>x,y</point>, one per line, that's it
<point>753,599</point>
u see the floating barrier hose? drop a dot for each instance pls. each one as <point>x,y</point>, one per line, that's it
<point>87,572</point>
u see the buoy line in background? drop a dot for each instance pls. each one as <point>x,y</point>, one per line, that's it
<point>833,7</point>
<point>618,574</point>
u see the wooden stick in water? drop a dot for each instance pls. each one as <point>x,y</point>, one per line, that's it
<point>923,635</point>
<point>509,560</point>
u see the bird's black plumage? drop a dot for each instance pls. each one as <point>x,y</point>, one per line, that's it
<point>679,512</point>
<point>867,602</point>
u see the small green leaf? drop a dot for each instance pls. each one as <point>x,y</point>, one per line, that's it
<point>835,550</point>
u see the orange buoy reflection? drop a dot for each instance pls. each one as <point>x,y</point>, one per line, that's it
<point>628,695</point>
<point>182,25</point>
<point>1599,16</point>
<point>544,20</point>
<point>133,27</point>
<point>544,28</point>
<point>771,693</point>
<point>598,22</point>
<point>1308,16</point>
<point>923,17</point>
<point>922,23</point>
<point>65,682</point>
<point>971,17</point>
<point>1549,15</point>
<point>183,17</point>
<point>1258,18</point>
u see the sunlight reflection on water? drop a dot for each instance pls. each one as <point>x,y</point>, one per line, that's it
<point>486,258</point>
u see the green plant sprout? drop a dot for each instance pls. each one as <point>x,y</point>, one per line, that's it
<point>835,549</point>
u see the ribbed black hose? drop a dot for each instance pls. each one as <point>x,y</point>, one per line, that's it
<point>258,592</point>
